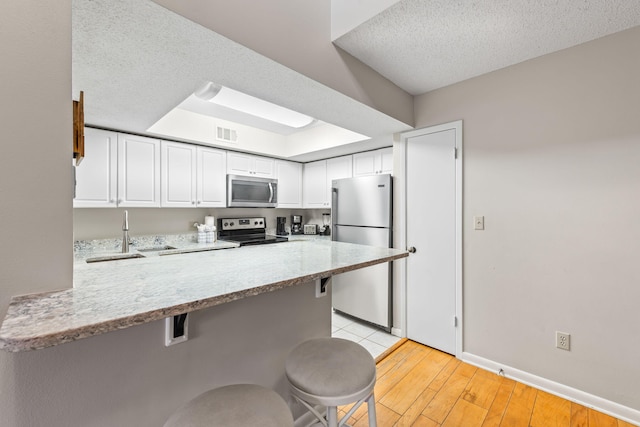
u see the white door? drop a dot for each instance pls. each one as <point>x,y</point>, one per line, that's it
<point>431,229</point>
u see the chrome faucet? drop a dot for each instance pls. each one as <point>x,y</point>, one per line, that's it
<point>125,233</point>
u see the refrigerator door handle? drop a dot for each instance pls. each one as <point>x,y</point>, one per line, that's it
<point>334,211</point>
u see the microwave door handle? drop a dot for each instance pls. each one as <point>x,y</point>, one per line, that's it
<point>270,193</point>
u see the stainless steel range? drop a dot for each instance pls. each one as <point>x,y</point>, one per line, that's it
<point>246,231</point>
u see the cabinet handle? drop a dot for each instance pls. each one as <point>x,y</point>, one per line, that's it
<point>193,202</point>
<point>111,201</point>
<point>199,201</point>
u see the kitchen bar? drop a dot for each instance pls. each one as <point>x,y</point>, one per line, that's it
<point>116,295</point>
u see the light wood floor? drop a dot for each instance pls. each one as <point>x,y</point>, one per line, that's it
<point>422,387</point>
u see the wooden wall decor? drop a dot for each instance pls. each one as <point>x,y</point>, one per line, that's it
<point>78,129</point>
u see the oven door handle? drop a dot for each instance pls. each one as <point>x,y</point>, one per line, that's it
<point>270,193</point>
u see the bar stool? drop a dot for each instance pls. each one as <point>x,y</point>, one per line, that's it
<point>237,405</point>
<point>332,372</point>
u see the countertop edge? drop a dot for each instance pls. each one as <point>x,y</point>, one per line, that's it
<point>15,345</point>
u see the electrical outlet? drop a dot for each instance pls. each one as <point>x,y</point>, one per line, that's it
<point>321,287</point>
<point>563,340</point>
<point>176,329</point>
<point>478,223</point>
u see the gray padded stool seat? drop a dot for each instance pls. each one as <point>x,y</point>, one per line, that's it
<point>238,405</point>
<point>332,372</point>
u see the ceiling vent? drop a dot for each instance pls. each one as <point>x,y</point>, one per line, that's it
<point>226,134</point>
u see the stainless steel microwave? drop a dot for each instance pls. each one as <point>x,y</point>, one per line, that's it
<point>251,192</point>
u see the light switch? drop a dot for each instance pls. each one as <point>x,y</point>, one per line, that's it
<point>478,223</point>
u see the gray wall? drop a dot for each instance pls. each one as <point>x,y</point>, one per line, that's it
<point>552,160</point>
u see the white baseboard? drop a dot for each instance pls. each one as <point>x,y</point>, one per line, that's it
<point>624,413</point>
<point>396,332</point>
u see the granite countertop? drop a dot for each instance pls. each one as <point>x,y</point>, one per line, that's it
<point>144,245</point>
<point>114,295</point>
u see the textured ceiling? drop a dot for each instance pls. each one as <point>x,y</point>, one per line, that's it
<point>135,61</point>
<point>422,45</point>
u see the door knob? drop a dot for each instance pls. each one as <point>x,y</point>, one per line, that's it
<point>411,249</point>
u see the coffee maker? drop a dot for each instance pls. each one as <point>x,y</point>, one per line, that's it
<point>296,224</point>
<point>280,222</point>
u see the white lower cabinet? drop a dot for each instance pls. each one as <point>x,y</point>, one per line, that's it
<point>373,162</point>
<point>138,171</point>
<point>289,176</point>
<point>192,176</point>
<point>97,174</point>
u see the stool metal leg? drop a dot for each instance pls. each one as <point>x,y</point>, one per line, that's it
<point>371,409</point>
<point>332,416</point>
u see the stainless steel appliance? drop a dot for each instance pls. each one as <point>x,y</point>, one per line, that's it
<point>246,231</point>
<point>280,228</point>
<point>310,229</point>
<point>362,213</point>
<point>251,192</point>
<point>296,224</point>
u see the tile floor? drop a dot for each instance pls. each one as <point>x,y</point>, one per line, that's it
<point>373,339</point>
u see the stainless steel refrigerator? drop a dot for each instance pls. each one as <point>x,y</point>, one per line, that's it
<point>361,212</point>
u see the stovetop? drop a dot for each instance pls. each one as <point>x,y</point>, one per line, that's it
<point>246,231</point>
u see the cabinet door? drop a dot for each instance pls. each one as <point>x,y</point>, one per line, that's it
<point>364,163</point>
<point>138,171</point>
<point>386,160</point>
<point>211,178</point>
<point>264,167</point>
<point>338,168</point>
<point>97,175</point>
<point>289,184</point>
<point>178,174</point>
<point>314,184</point>
<point>246,164</point>
<point>373,162</point>
<point>238,164</point>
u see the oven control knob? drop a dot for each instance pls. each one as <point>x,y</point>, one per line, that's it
<point>231,223</point>
<point>255,222</point>
<point>226,224</point>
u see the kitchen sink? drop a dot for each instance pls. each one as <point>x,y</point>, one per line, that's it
<point>156,248</point>
<point>114,257</point>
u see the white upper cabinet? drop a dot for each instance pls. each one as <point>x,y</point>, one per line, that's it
<point>247,164</point>
<point>138,171</point>
<point>314,184</point>
<point>178,175</point>
<point>97,175</point>
<point>338,168</point>
<point>317,180</point>
<point>211,188</point>
<point>373,162</point>
<point>192,176</point>
<point>289,176</point>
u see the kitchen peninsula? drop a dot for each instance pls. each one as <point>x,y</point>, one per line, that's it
<point>115,295</point>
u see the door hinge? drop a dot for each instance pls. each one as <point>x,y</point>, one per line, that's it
<point>455,321</point>
<point>455,153</point>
